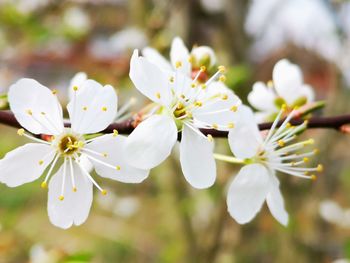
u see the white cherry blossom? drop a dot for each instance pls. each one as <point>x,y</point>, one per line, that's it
<point>92,108</point>
<point>191,60</point>
<point>179,104</point>
<point>256,182</point>
<point>287,88</point>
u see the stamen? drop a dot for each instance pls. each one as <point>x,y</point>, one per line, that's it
<point>115,133</point>
<point>90,178</point>
<point>104,108</point>
<point>126,107</point>
<point>21,132</point>
<point>61,197</point>
<point>116,167</point>
<point>72,174</point>
<point>178,64</point>
<point>44,184</point>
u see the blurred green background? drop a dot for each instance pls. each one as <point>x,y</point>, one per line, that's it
<point>164,219</point>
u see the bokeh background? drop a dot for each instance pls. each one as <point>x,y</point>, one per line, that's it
<point>163,219</point>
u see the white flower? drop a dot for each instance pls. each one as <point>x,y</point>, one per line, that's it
<point>257,181</point>
<point>287,88</point>
<point>309,24</point>
<point>180,104</point>
<point>333,213</point>
<point>92,108</point>
<point>191,61</point>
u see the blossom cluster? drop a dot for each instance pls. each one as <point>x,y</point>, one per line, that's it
<point>187,94</point>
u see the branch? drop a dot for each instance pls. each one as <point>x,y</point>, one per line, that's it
<point>127,126</point>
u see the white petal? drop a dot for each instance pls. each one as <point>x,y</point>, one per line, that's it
<point>156,58</point>
<point>196,157</point>
<point>75,207</point>
<point>150,80</point>
<point>35,107</point>
<point>93,107</point>
<point>287,78</point>
<point>22,165</point>
<point>77,80</point>
<point>262,97</point>
<point>247,192</point>
<point>114,148</point>
<point>262,116</point>
<point>308,92</point>
<point>275,202</point>
<point>179,53</point>
<point>217,111</point>
<point>151,142</point>
<point>245,139</point>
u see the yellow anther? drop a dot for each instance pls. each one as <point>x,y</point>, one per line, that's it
<point>215,126</point>
<point>117,167</point>
<point>43,185</point>
<point>190,59</point>
<point>80,144</point>
<point>203,86</point>
<point>309,141</point>
<point>296,107</point>
<point>305,159</point>
<point>85,108</point>
<point>42,113</point>
<point>158,95</point>
<point>230,125</point>
<point>105,154</point>
<point>198,103</point>
<point>41,162</point>
<point>288,125</point>
<point>319,168</point>
<point>233,108</point>
<point>74,189</point>
<point>171,79</point>
<point>115,133</point>
<point>104,108</point>
<point>281,143</point>
<point>313,177</point>
<point>306,122</point>
<point>29,112</point>
<point>75,88</point>
<point>203,68</point>
<point>224,97</point>
<point>54,91</point>
<point>284,107</point>
<point>193,85</point>
<point>270,84</point>
<point>61,197</point>
<point>189,114</point>
<point>180,106</point>
<point>222,69</point>
<point>104,192</point>
<point>178,64</point>
<point>20,132</point>
<point>222,78</point>
<point>316,151</point>
<point>182,96</point>
<point>210,138</point>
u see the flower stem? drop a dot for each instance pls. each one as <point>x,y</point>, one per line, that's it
<point>229,159</point>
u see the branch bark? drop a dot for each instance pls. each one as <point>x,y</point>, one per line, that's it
<point>127,126</point>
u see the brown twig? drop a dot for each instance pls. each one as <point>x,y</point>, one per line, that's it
<point>127,126</point>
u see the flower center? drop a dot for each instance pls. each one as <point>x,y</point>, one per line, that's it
<point>69,144</point>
